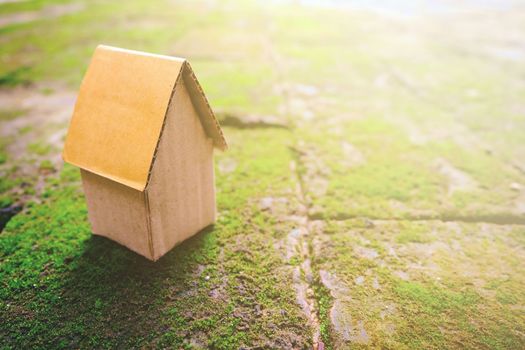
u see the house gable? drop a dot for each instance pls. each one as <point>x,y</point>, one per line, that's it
<point>180,193</point>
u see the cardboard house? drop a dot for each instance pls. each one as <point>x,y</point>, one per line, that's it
<point>143,134</point>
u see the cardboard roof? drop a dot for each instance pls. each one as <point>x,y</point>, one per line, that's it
<point>120,113</point>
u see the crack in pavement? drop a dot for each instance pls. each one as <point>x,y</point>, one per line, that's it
<point>496,219</point>
<point>299,239</point>
<point>250,121</point>
<point>298,248</point>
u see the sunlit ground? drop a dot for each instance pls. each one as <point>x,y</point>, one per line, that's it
<point>373,194</point>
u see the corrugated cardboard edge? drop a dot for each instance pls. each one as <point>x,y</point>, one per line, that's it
<point>209,121</point>
<point>149,227</point>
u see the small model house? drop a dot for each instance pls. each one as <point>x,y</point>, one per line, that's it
<point>143,134</point>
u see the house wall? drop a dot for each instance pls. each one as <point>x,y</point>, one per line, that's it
<point>181,191</point>
<point>117,212</point>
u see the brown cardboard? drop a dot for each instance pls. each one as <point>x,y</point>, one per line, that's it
<point>181,193</point>
<point>143,135</point>
<point>117,211</point>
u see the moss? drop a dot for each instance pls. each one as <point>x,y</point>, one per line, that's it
<point>14,7</point>
<point>434,300</point>
<point>4,142</point>
<point>414,233</point>
<point>24,130</point>
<point>39,148</point>
<point>507,298</point>
<point>15,77</point>
<point>10,114</point>
<point>389,182</point>
<point>441,301</point>
<point>84,291</point>
<point>46,165</point>
<point>323,304</point>
<point>56,51</point>
<point>8,183</point>
<point>5,201</point>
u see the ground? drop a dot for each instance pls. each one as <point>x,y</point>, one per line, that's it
<point>373,195</point>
